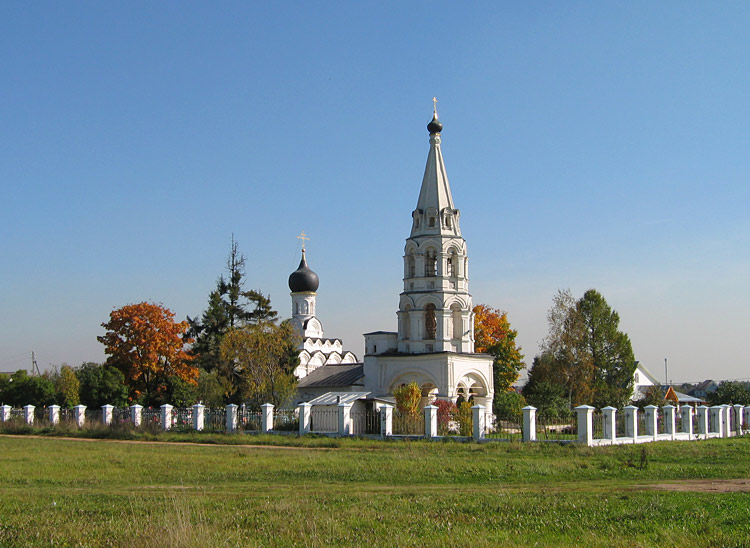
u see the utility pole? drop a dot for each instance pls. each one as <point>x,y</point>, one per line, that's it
<point>666,376</point>
<point>34,366</point>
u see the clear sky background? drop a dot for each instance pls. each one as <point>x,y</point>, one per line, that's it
<point>589,145</point>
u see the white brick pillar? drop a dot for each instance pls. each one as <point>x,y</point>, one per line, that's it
<point>631,421</point>
<point>703,422</point>
<point>136,414</point>
<point>726,419</point>
<point>687,419</point>
<point>266,417</point>
<point>477,425</point>
<point>231,418</point>
<point>5,413</point>
<point>430,421</point>
<point>28,414</point>
<point>107,414</point>
<point>386,420</point>
<point>652,428</point>
<point>199,414</point>
<point>304,418</point>
<point>738,419</point>
<point>669,419</point>
<point>609,416</point>
<point>585,424</point>
<point>717,422</point>
<point>529,423</point>
<point>345,419</point>
<point>54,414</point>
<point>79,414</point>
<point>166,416</point>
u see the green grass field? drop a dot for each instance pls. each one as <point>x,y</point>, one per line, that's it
<point>60,492</point>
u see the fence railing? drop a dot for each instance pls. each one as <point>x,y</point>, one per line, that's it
<point>584,424</point>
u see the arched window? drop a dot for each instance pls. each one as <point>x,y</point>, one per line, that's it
<point>430,322</point>
<point>406,322</point>
<point>452,263</point>
<point>432,222</point>
<point>411,266</point>
<point>430,263</point>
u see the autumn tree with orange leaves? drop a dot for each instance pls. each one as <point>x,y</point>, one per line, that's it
<point>148,346</point>
<point>494,335</point>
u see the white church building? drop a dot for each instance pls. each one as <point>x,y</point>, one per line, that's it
<point>434,343</point>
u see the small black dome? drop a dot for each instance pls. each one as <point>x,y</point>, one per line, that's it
<point>303,279</point>
<point>435,126</point>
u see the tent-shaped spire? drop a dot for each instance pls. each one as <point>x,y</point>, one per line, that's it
<point>435,213</point>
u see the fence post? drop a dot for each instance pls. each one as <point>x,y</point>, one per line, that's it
<point>726,414</point>
<point>107,414</point>
<point>430,421</point>
<point>478,417</point>
<point>136,414</point>
<point>631,422</point>
<point>738,418</point>
<point>529,423</point>
<point>232,418</point>
<point>266,418</point>
<point>651,427</point>
<point>79,413</point>
<point>585,424</point>
<point>5,413</point>
<point>199,416</point>
<point>345,419</point>
<point>54,414</point>
<point>28,414</point>
<point>716,422</point>
<point>166,416</point>
<point>669,419</point>
<point>687,419</point>
<point>386,420</point>
<point>304,418</point>
<point>610,426</point>
<point>703,423</point>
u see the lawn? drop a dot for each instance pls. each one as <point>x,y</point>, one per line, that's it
<point>62,492</point>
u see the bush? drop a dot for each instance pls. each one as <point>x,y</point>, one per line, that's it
<point>408,397</point>
<point>508,404</point>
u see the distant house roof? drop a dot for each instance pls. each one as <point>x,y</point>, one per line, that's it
<point>334,375</point>
<point>640,368</point>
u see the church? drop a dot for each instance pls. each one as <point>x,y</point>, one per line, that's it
<point>434,343</point>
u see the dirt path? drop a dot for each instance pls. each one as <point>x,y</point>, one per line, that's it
<point>704,486</point>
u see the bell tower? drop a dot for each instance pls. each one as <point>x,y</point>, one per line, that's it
<point>435,307</point>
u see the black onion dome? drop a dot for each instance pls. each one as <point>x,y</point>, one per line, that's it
<point>435,126</point>
<point>303,279</point>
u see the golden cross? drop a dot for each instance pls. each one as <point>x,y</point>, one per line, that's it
<point>303,237</point>
<point>434,106</point>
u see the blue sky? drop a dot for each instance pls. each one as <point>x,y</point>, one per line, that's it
<point>589,145</point>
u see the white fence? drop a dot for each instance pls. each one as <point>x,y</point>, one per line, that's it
<point>605,427</point>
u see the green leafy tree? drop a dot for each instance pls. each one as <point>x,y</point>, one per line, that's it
<point>584,353</point>
<point>101,385</point>
<point>260,360</point>
<point>508,404</point>
<point>545,388</point>
<point>608,349</point>
<point>67,386</point>
<point>23,389</point>
<point>229,306</point>
<point>730,392</point>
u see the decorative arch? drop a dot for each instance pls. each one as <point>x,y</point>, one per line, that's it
<point>422,378</point>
